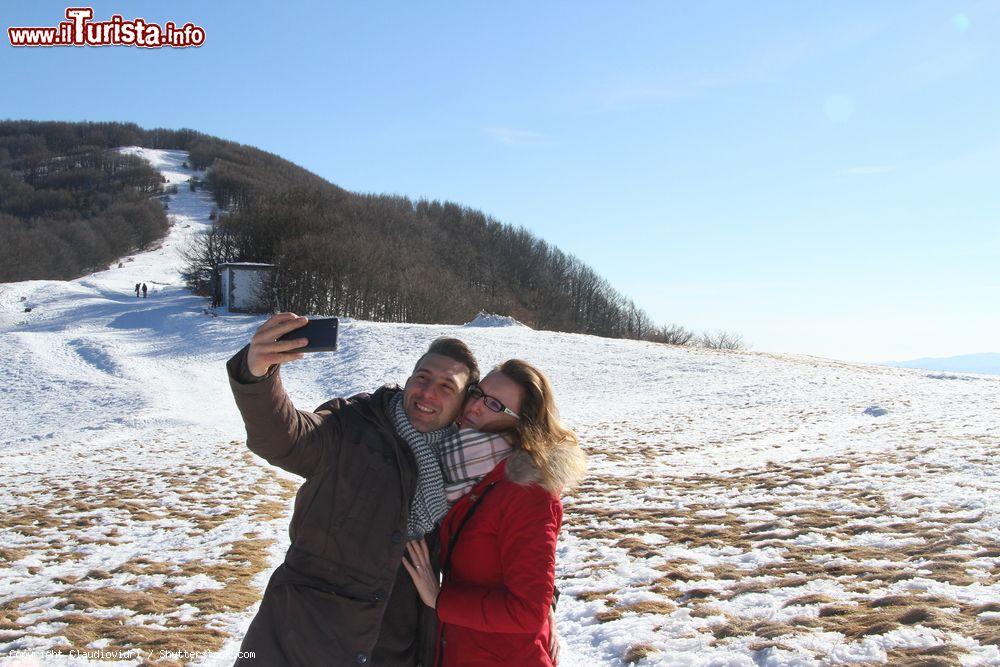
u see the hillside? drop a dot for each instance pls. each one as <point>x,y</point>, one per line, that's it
<point>375,257</point>
<point>741,508</point>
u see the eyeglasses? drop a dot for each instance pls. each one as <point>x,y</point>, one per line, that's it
<point>475,393</point>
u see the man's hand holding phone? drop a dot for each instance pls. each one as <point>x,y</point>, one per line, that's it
<point>265,348</point>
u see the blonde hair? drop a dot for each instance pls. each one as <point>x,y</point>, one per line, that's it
<point>539,432</point>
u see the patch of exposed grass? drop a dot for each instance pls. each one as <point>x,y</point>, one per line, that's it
<point>637,548</point>
<point>637,652</point>
<point>9,555</point>
<point>590,596</point>
<point>104,511</point>
<point>740,627</point>
<point>813,598</point>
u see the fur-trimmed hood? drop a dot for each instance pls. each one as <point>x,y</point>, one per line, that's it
<point>564,468</point>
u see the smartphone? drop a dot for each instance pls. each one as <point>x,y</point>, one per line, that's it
<point>321,332</point>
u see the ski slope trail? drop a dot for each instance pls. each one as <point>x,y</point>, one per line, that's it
<point>740,508</point>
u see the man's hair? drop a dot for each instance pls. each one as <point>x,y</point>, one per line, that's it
<point>456,350</point>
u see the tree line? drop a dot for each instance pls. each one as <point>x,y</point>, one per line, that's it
<point>389,258</point>
<point>68,204</point>
<point>374,257</point>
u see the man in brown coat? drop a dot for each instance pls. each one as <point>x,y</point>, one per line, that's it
<point>372,481</point>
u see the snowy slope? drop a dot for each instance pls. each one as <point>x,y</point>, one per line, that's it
<point>741,508</point>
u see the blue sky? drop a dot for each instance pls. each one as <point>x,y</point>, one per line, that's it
<point>819,177</point>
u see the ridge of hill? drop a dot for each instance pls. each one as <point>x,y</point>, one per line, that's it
<point>374,257</point>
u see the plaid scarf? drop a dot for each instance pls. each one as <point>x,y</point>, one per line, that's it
<point>467,456</point>
<point>429,505</point>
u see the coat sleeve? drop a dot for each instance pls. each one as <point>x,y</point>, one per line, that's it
<point>529,529</point>
<point>294,440</point>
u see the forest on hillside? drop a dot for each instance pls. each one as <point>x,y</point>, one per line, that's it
<point>69,204</point>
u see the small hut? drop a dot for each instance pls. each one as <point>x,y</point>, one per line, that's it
<point>244,286</point>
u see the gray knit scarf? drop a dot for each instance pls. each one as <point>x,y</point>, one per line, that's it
<point>429,504</point>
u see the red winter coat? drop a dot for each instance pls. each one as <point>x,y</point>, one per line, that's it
<point>494,603</point>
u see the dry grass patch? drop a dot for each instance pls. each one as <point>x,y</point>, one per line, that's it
<point>590,596</point>
<point>795,564</point>
<point>814,598</point>
<point>98,574</point>
<point>673,572</point>
<point>741,627</point>
<point>763,586</point>
<point>636,608</point>
<point>602,533</point>
<point>233,597</point>
<point>10,611</point>
<point>637,652</point>
<point>86,596</point>
<point>83,630</point>
<point>700,610</point>
<point>253,552</point>
<point>664,588</point>
<point>836,610</point>
<point>9,555</point>
<point>862,621</point>
<point>987,637</point>
<point>156,600</point>
<point>951,573</point>
<point>637,548</point>
<point>145,566</point>
<point>943,655</point>
<point>206,522</point>
<point>727,572</point>
<point>768,527</point>
<point>221,571</point>
<point>270,509</point>
<point>763,646</point>
<point>942,541</point>
<point>609,615</point>
<point>649,607</point>
<point>698,594</point>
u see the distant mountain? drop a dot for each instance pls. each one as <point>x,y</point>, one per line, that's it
<point>984,362</point>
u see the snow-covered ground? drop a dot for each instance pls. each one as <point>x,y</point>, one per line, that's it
<point>741,509</point>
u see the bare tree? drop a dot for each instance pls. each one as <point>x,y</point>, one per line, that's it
<point>722,340</point>
<point>672,334</point>
<point>202,258</point>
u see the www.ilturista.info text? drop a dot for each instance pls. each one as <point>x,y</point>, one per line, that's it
<point>80,30</point>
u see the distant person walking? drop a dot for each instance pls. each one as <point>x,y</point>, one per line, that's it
<point>137,290</point>
<point>143,290</point>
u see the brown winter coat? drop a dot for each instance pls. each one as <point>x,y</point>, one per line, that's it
<point>341,597</point>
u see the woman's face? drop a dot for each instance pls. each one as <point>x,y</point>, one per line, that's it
<point>497,385</point>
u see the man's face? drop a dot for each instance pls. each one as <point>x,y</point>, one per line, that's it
<point>433,395</point>
<point>475,413</point>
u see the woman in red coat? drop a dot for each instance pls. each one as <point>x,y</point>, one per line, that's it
<point>499,541</point>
